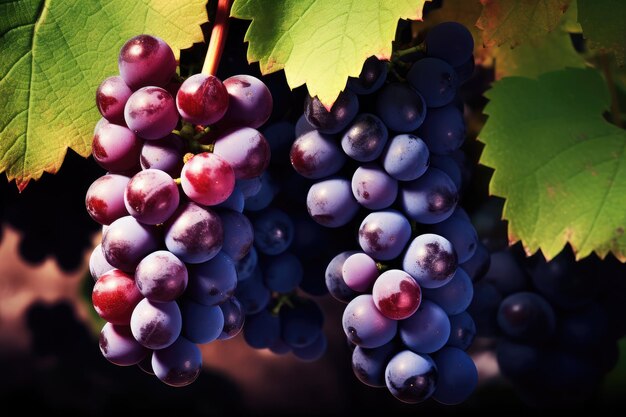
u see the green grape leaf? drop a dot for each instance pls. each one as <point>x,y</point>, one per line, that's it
<point>515,21</point>
<point>54,54</point>
<point>558,163</point>
<point>603,25</point>
<point>321,42</point>
<point>551,52</point>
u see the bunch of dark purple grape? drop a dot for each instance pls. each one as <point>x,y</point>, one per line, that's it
<point>171,207</point>
<point>385,155</point>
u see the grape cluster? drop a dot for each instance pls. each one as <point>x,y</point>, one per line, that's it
<point>386,153</point>
<point>557,323</point>
<point>180,157</point>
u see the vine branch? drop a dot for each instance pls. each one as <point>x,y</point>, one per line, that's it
<point>218,38</point>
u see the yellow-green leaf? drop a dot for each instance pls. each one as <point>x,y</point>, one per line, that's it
<point>321,42</point>
<point>54,54</point>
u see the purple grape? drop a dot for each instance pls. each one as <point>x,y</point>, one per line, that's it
<point>252,293</point>
<point>116,148</point>
<point>337,118</point>
<point>214,281</point>
<point>301,324</point>
<point>250,102</point>
<point>263,197</point>
<point>146,60</point>
<point>365,139</point>
<point>202,99</point>
<point>431,198</point>
<point>151,196</point>
<point>151,113</point>
<point>369,364</point>
<point>406,158</point>
<point>126,242</point>
<point>410,377</point>
<point>246,150</point>
<point>462,331</point>
<point>247,265</point>
<point>279,347</point>
<point>261,330</point>
<point>234,318</point>
<point>273,232</point>
<point>201,324</point>
<point>283,273</point>
<point>111,98</point>
<point>302,126</point>
<point>334,278</point>
<point>179,364</point>
<point>314,155</point>
<point>118,345</point>
<point>359,271</point>
<point>443,129</point>
<point>384,234</point>
<point>365,326</point>
<point>400,107</point>
<point>396,294</point>
<point>156,325</point>
<point>457,376</point>
<point>238,234</point>
<point>207,179</point>
<point>461,233</point>
<point>313,351</point>
<point>165,154</point>
<point>427,330</point>
<point>450,41</point>
<point>194,234</point>
<point>105,198</point>
<point>455,296</point>
<point>431,260</point>
<point>450,166</point>
<point>249,187</point>
<point>331,203</point>
<point>373,188</point>
<point>435,80</point>
<point>98,264</point>
<point>161,276</point>
<point>234,202</point>
<point>372,76</point>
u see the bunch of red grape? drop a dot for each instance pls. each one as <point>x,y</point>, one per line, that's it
<point>171,207</point>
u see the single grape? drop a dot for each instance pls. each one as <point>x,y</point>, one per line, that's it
<point>151,113</point>
<point>98,265</point>
<point>194,234</point>
<point>365,326</point>
<point>247,265</point>
<point>450,41</point>
<point>202,99</point>
<point>302,324</point>
<point>431,260</point>
<point>165,154</point>
<point>396,294</point>
<point>151,196</point>
<point>302,126</point>
<point>315,155</point>
<point>457,376</point>
<point>400,107</point>
<point>161,276</point>
<point>246,150</point>
<point>526,316</point>
<point>406,157</point>
<point>478,265</point>
<point>126,242</point>
<point>115,148</point>
<point>431,198</point>
<point>369,364</point>
<point>238,234</point>
<point>250,102</point>
<point>435,80</point>
<point>373,188</point>
<point>178,364</point>
<point>448,165</point>
<point>337,118</point>
<point>462,331</point>
<point>359,271</point>
<point>146,60</point>
<point>253,294</point>
<point>273,232</point>
<point>156,325</point>
<point>384,234</point>
<point>508,275</point>
<point>201,324</point>
<point>455,296</point>
<point>279,347</point>
<point>334,278</point>
<point>111,98</point>
<point>235,202</point>
<point>261,330</point>
<point>115,296</point>
<point>427,330</point>
<point>118,345</point>
<point>207,179</point>
<point>214,281</point>
<point>410,377</point>
<point>105,198</point>
<point>283,273</point>
<point>249,187</point>
<point>443,129</point>
<point>371,78</point>
<point>234,318</point>
<point>331,203</point>
<point>365,138</point>
<point>264,196</point>
<point>313,351</point>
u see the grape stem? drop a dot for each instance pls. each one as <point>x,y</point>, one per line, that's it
<point>218,38</point>
<point>282,300</point>
<point>616,117</point>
